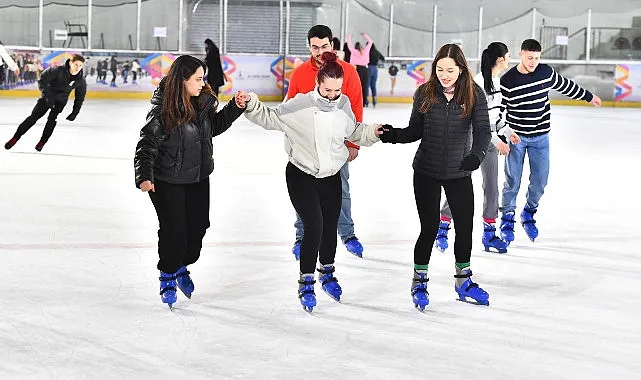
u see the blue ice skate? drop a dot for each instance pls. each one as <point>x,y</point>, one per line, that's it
<point>420,296</point>
<point>329,282</point>
<point>507,227</point>
<point>471,289</point>
<point>296,249</point>
<point>306,292</point>
<point>490,240</point>
<point>184,282</point>
<point>528,223</point>
<point>168,288</point>
<point>354,246</point>
<point>441,238</point>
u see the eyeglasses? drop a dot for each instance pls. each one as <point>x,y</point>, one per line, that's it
<point>326,47</point>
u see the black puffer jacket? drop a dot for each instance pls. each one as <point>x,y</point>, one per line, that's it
<point>186,155</point>
<point>446,138</point>
<point>56,83</point>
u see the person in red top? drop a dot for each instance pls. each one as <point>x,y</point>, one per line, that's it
<point>303,80</point>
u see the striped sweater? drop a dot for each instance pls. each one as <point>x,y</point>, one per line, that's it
<point>526,104</point>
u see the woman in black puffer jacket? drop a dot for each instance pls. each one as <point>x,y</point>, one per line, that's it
<point>450,118</point>
<point>173,162</point>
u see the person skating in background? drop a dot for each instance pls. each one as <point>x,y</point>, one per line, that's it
<point>526,103</point>
<point>392,71</point>
<point>135,69</point>
<point>215,74</point>
<point>372,71</point>
<point>494,60</point>
<point>114,69</point>
<point>336,45</point>
<point>302,81</point>
<point>173,162</point>
<point>450,118</point>
<point>312,123</point>
<point>359,57</point>
<point>55,85</point>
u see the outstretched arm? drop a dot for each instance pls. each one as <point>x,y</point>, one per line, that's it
<point>258,113</point>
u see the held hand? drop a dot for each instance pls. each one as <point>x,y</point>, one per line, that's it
<point>379,130</point>
<point>470,163</point>
<point>596,101</point>
<point>515,139</point>
<point>503,148</point>
<point>146,186</point>
<point>353,153</point>
<point>241,98</point>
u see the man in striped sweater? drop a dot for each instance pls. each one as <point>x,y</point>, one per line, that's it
<point>526,107</point>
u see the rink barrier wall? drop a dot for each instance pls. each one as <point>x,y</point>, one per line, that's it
<point>124,95</point>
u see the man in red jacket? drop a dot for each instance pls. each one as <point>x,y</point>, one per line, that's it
<point>303,80</point>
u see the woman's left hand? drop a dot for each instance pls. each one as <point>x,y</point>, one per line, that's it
<point>241,98</point>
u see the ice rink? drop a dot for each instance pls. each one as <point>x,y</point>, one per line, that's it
<point>78,255</point>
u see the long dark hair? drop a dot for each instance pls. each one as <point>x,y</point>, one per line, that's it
<point>494,51</point>
<point>177,106</point>
<point>464,86</point>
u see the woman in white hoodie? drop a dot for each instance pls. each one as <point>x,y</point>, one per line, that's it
<point>316,125</point>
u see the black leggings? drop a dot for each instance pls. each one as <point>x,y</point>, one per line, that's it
<point>460,195</point>
<point>363,75</point>
<point>318,202</point>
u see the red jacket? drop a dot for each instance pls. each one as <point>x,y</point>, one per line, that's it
<point>303,80</point>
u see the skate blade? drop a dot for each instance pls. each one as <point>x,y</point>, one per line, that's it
<point>186,295</point>
<point>420,308</point>
<point>334,298</point>
<point>496,250</point>
<point>475,302</point>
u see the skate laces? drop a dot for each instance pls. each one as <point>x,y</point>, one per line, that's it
<point>470,284</point>
<point>327,275</point>
<point>419,284</point>
<point>507,222</point>
<point>166,284</point>
<point>531,215</point>
<point>307,286</point>
<point>443,227</point>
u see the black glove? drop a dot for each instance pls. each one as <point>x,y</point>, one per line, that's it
<point>389,134</point>
<point>470,163</point>
<point>72,116</point>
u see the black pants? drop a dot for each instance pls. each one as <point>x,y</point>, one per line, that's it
<point>363,75</point>
<point>113,76</point>
<point>135,74</point>
<point>318,202</point>
<point>460,195</point>
<point>39,111</point>
<point>183,214</point>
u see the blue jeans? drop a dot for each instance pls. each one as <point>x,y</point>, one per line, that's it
<point>372,71</point>
<point>538,151</point>
<point>345,222</point>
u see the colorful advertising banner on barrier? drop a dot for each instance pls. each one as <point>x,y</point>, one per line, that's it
<point>628,83</point>
<point>268,75</point>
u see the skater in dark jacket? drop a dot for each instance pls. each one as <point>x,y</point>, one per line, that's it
<point>173,162</point>
<point>55,84</point>
<point>450,118</point>
<point>215,74</point>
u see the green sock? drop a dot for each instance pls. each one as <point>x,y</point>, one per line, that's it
<point>420,267</point>
<point>462,265</point>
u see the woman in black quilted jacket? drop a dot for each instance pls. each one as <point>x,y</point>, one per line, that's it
<point>450,118</point>
<point>173,161</point>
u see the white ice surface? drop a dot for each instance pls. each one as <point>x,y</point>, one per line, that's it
<point>79,295</point>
